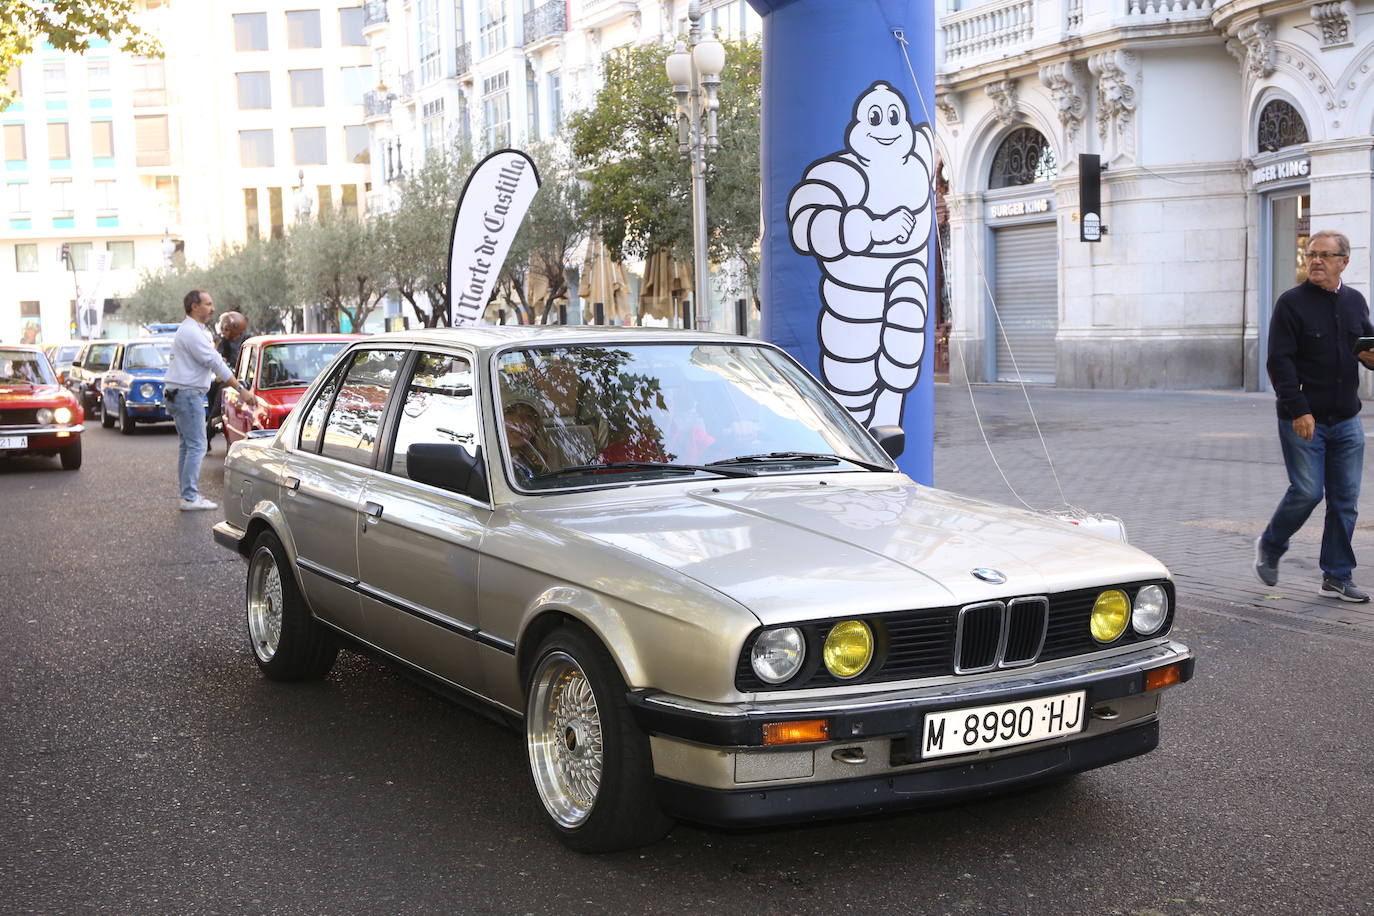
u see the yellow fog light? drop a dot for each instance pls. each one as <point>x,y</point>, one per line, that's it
<point>848,648</point>
<point>1111,611</point>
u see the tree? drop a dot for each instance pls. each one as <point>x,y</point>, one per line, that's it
<point>159,294</point>
<point>414,238</point>
<point>66,25</point>
<point>639,185</point>
<point>334,264</point>
<point>253,279</point>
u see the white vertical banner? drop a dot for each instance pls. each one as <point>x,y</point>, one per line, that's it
<point>493,204</point>
<point>90,306</point>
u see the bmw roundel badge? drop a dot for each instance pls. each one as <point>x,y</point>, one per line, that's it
<point>988,575</point>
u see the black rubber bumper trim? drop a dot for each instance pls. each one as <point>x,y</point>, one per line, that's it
<point>920,788</point>
<point>746,729</point>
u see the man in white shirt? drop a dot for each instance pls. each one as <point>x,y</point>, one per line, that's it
<point>194,363</point>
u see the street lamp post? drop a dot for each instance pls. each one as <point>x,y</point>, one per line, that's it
<point>694,70</point>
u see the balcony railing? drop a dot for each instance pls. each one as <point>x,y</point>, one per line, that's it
<point>374,13</point>
<point>1167,7</point>
<point>985,30</point>
<point>462,58</point>
<point>546,21</point>
<point>376,105</point>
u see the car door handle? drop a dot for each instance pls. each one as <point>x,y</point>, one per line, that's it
<point>373,510</point>
<point>291,483</point>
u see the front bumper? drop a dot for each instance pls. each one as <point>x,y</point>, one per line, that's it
<point>147,410</point>
<point>42,438</point>
<point>712,764</point>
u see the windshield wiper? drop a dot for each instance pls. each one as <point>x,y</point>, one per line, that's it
<point>644,466</point>
<point>799,456</point>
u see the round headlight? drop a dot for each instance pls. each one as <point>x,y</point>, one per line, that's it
<point>44,416</point>
<point>62,415</point>
<point>1151,607</point>
<point>848,648</point>
<point>777,654</point>
<point>1111,612</point>
<point>147,390</point>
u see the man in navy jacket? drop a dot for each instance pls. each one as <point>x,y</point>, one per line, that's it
<point>1314,367</point>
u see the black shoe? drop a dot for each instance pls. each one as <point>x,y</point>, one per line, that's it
<point>1267,571</point>
<point>1346,591</point>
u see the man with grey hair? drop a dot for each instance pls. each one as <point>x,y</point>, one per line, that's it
<point>1314,360</point>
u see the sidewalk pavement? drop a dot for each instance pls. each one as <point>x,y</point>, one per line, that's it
<point>1194,475</point>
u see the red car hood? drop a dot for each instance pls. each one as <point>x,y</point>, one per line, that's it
<point>12,396</point>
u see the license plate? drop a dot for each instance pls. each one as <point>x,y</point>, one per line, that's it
<point>982,728</point>
<point>14,441</point>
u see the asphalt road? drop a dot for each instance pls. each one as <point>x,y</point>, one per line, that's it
<point>146,767</point>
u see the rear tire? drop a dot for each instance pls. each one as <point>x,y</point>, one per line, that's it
<point>287,642</point>
<point>71,456</point>
<point>590,761</point>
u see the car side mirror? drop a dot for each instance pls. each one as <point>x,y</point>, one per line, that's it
<point>76,364</point>
<point>448,466</point>
<point>891,439</point>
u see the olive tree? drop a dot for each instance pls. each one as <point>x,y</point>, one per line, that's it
<point>334,266</point>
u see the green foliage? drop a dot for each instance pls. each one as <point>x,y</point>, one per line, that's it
<point>67,25</point>
<point>335,266</point>
<point>253,279</point>
<point>639,185</point>
<point>159,294</point>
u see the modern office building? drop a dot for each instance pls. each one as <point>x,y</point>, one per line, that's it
<point>253,117</point>
<point>1227,130</point>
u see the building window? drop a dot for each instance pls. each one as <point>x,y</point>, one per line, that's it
<point>555,102</point>
<point>324,193</point>
<point>60,197</point>
<point>255,149</point>
<point>532,106</point>
<point>98,75</point>
<point>348,203</point>
<point>26,258</point>
<point>250,213</point>
<point>17,197</point>
<point>427,20</point>
<point>1024,157</point>
<point>356,81</point>
<point>55,76</point>
<point>303,29</point>
<point>492,19</point>
<point>102,139</point>
<point>81,255</point>
<point>309,145</point>
<point>250,31</point>
<point>15,148</point>
<point>168,193</point>
<point>275,212</point>
<point>432,125</point>
<point>255,89</point>
<point>351,27</point>
<point>496,111</point>
<point>1280,126</point>
<point>59,145</point>
<point>150,83</point>
<point>105,197</point>
<point>356,143</point>
<point>14,80</point>
<point>151,140</point>
<point>307,88</point>
<point>121,255</point>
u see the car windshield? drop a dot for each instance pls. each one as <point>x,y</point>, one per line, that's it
<point>65,354</point>
<point>591,415</point>
<point>25,367</point>
<point>295,365</point>
<point>147,355</point>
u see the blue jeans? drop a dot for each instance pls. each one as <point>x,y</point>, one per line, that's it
<point>1330,466</point>
<point>188,412</point>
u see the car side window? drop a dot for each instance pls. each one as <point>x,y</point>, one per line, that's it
<point>100,357</point>
<point>354,423</point>
<point>312,426</point>
<point>439,407</point>
<point>248,371</point>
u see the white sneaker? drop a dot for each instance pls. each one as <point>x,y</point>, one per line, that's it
<point>200,502</point>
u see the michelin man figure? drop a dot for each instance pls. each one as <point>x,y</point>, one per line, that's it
<point>865,214</point>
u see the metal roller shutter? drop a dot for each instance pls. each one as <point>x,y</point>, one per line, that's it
<point>1027,291</point>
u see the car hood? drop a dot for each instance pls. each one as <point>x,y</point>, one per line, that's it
<point>145,375</point>
<point>31,395</point>
<point>842,544</point>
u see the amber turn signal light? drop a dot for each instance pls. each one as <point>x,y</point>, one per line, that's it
<point>1163,677</point>
<point>796,732</point>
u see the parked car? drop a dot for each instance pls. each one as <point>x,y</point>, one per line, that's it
<point>276,368</point>
<point>87,372</point>
<point>61,356</point>
<point>132,387</point>
<point>37,415</point>
<point>700,586</point>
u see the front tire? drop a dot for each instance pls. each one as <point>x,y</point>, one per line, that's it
<point>71,456</point>
<point>589,760</point>
<point>126,422</point>
<point>287,643</point>
<point>107,419</point>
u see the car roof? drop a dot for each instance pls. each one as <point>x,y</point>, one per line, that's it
<point>18,346</point>
<point>266,339</point>
<point>490,337</point>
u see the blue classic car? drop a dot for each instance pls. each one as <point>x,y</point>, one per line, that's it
<point>132,388</point>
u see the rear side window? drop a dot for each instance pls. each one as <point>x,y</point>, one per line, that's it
<point>354,423</point>
<point>100,357</point>
<point>439,407</point>
<point>249,373</point>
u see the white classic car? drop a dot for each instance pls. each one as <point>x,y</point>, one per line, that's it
<point>701,589</point>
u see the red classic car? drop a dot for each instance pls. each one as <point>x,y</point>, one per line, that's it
<point>37,415</point>
<point>277,368</point>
